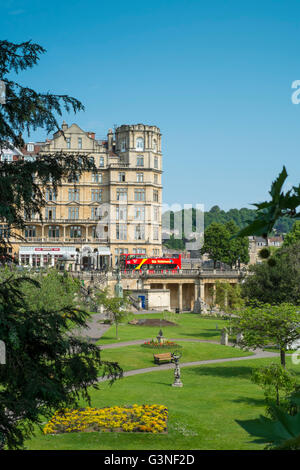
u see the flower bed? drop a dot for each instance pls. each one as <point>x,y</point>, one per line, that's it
<point>156,345</point>
<point>135,418</point>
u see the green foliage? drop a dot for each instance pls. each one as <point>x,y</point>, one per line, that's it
<point>294,235</point>
<point>269,212</point>
<point>228,296</point>
<point>276,281</point>
<point>114,306</point>
<point>265,324</point>
<point>275,379</point>
<point>282,434</point>
<point>46,367</point>
<point>25,109</point>
<point>220,245</point>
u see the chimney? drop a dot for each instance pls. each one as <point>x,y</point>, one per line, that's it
<point>91,135</point>
<point>110,138</point>
<point>64,126</point>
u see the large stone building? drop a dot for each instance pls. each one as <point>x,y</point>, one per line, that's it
<point>117,209</point>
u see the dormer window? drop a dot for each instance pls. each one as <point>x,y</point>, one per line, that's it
<point>30,147</point>
<point>68,142</point>
<point>139,143</point>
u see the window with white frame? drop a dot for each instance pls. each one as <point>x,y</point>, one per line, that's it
<point>4,231</point>
<point>139,143</point>
<point>101,162</point>
<point>139,195</point>
<point>155,252</point>
<point>96,195</point>
<point>139,232</point>
<point>79,143</point>
<point>140,177</point>
<point>121,232</point>
<point>155,232</point>
<point>7,157</point>
<point>68,140</point>
<point>53,231</point>
<point>96,177</point>
<point>95,213</point>
<point>155,213</point>
<point>121,194</point>
<point>139,213</point>
<point>50,195</point>
<point>73,213</point>
<point>121,177</point>
<point>50,213</point>
<point>30,231</point>
<point>139,251</point>
<point>155,195</point>
<point>121,212</point>
<point>140,160</point>
<point>75,231</point>
<point>74,194</point>
<point>154,145</point>
<point>30,147</point>
<point>155,178</point>
<point>156,162</point>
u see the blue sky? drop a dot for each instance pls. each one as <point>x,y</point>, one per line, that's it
<point>214,76</point>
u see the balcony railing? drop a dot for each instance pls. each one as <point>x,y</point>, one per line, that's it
<point>66,240</point>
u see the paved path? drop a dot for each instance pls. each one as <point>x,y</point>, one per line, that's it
<point>258,354</point>
<point>94,329</point>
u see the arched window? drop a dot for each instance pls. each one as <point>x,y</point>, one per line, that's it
<point>140,143</point>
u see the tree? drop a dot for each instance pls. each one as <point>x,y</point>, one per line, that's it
<point>115,306</point>
<point>228,297</point>
<point>265,324</point>
<point>216,243</point>
<point>294,235</point>
<point>277,279</point>
<point>275,379</point>
<point>238,247</point>
<point>26,109</point>
<point>46,368</point>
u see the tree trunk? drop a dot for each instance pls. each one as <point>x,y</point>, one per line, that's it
<point>282,357</point>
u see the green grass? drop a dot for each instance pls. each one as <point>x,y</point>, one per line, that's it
<point>137,357</point>
<point>201,415</point>
<point>190,325</point>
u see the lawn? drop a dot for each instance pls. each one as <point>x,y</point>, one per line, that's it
<point>202,414</point>
<point>190,325</point>
<point>138,357</point>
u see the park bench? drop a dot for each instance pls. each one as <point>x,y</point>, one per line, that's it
<point>164,357</point>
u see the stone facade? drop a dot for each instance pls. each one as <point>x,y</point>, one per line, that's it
<point>115,210</point>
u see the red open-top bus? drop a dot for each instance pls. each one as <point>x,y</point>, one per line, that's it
<point>141,261</point>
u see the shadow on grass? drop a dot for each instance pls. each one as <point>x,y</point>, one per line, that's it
<point>224,372</point>
<point>250,401</point>
<point>200,335</point>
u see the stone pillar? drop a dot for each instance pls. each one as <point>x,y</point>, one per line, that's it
<point>202,290</point>
<point>224,337</point>
<point>52,260</point>
<point>180,297</point>
<point>30,260</point>
<point>214,293</point>
<point>164,285</point>
<point>64,232</point>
